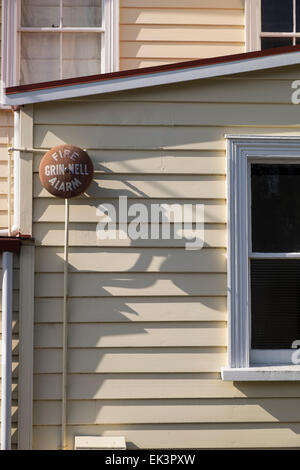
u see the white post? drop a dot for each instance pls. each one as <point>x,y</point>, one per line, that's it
<point>7,299</point>
<point>65,332</point>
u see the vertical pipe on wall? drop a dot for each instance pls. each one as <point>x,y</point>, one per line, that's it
<point>9,193</point>
<point>6,362</point>
<point>65,331</point>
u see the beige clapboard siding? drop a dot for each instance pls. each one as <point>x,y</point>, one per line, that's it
<point>52,234</point>
<point>250,88</point>
<point>186,16</point>
<point>122,309</point>
<point>156,33</point>
<point>205,187</point>
<point>155,162</point>
<point>166,114</point>
<point>131,284</point>
<point>52,209</point>
<point>181,34</point>
<point>154,137</point>
<point>229,4</point>
<point>6,136</point>
<point>134,360</point>
<point>132,260</point>
<point>159,436</point>
<point>177,50</point>
<point>266,410</point>
<point>97,335</point>
<point>157,386</point>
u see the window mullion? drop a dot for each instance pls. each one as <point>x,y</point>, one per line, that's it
<point>294,22</point>
<point>261,255</point>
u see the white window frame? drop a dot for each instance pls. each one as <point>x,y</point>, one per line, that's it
<point>253,26</point>
<point>242,365</point>
<point>11,10</point>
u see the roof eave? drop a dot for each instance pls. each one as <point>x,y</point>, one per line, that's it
<point>117,82</point>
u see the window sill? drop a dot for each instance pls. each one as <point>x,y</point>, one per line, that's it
<point>262,372</point>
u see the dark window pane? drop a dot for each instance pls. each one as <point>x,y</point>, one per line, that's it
<point>277,16</point>
<point>269,43</point>
<point>298,15</point>
<point>275,303</point>
<point>275,208</point>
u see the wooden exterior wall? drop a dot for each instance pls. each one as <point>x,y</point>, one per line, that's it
<point>148,320</point>
<point>155,32</point>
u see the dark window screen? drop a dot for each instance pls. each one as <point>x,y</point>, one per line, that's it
<point>275,208</point>
<point>298,15</point>
<point>269,43</point>
<point>277,16</point>
<point>275,303</point>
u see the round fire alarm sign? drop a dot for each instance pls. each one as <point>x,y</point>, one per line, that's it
<point>66,171</point>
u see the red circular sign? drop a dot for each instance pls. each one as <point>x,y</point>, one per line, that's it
<point>66,171</point>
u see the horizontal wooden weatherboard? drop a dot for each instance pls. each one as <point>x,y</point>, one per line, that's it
<point>149,137</point>
<point>187,4</point>
<point>131,284</point>
<point>264,410</point>
<point>156,386</point>
<point>84,209</point>
<point>146,113</point>
<point>207,186</point>
<point>177,50</point>
<point>52,234</point>
<point>181,33</point>
<point>248,88</point>
<point>155,162</point>
<point>181,16</point>
<point>135,360</point>
<point>180,114</point>
<point>198,436</point>
<point>122,309</point>
<point>132,260</point>
<point>95,335</point>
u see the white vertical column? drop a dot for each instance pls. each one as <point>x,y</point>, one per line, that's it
<point>7,299</point>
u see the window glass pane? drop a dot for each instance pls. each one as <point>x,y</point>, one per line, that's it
<point>82,13</point>
<point>269,43</point>
<point>40,13</point>
<point>298,15</point>
<point>277,15</point>
<point>275,199</point>
<point>81,54</point>
<point>275,303</point>
<point>39,57</point>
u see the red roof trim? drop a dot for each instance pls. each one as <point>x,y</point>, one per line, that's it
<point>151,70</point>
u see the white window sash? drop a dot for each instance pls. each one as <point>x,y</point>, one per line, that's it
<point>241,151</point>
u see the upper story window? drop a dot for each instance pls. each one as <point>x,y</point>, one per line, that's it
<point>46,40</point>
<point>272,23</point>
